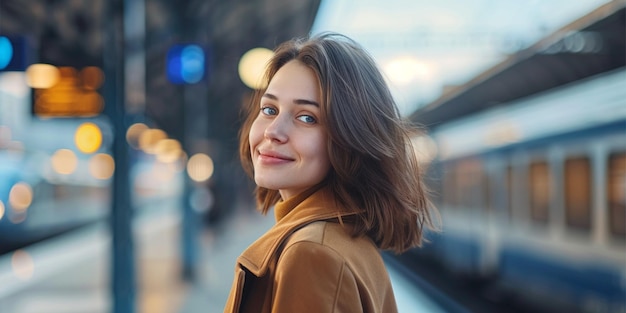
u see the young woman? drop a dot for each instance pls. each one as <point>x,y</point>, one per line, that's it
<point>329,152</point>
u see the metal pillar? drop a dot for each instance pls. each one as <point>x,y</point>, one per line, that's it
<point>122,266</point>
<point>190,93</point>
<point>190,226</point>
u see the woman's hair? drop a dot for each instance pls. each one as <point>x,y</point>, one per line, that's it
<point>374,170</point>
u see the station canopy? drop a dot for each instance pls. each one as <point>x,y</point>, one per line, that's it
<point>428,49</point>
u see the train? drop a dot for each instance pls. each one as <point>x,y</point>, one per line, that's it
<point>527,164</point>
<point>532,197</point>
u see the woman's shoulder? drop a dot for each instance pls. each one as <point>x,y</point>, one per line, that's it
<point>331,245</point>
<point>335,237</point>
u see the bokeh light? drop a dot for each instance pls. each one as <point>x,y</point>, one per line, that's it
<point>134,132</point>
<point>201,199</point>
<point>406,70</point>
<point>168,150</point>
<point>17,218</point>
<point>92,77</point>
<point>42,76</point>
<point>20,197</point>
<point>73,94</point>
<point>2,209</point>
<point>64,161</point>
<point>88,138</point>
<point>200,167</point>
<point>252,66</point>
<point>192,61</point>
<point>186,64</point>
<point>101,166</point>
<point>425,148</point>
<point>22,264</point>
<point>6,52</point>
<point>14,84</point>
<point>149,138</point>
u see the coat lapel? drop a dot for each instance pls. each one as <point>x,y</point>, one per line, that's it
<point>316,207</point>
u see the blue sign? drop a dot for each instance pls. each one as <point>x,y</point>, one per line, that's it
<point>13,53</point>
<point>6,52</point>
<point>186,64</point>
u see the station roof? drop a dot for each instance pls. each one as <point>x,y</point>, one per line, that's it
<point>593,44</point>
<point>71,33</point>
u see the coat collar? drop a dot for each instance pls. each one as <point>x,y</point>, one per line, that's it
<point>315,204</point>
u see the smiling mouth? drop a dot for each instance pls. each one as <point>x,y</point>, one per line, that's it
<point>273,158</point>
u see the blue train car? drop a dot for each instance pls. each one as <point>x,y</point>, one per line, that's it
<point>534,193</point>
<point>531,179</point>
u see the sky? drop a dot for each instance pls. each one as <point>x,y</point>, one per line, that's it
<point>423,46</point>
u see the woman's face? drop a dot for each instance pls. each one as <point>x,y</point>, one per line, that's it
<point>287,139</point>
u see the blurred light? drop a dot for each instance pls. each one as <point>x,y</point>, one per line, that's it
<point>2,209</point>
<point>149,138</point>
<point>88,138</point>
<point>186,64</point>
<point>192,60</point>
<point>252,67</point>
<point>6,52</point>
<point>15,53</point>
<point>22,264</point>
<point>64,161</point>
<point>201,200</point>
<point>92,77</point>
<point>168,150</point>
<point>200,167</point>
<point>133,133</point>
<point>73,94</point>
<point>406,70</point>
<point>425,148</point>
<point>20,197</point>
<point>14,83</point>
<point>17,218</point>
<point>42,76</point>
<point>101,166</point>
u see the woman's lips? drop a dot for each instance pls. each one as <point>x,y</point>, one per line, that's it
<point>273,158</point>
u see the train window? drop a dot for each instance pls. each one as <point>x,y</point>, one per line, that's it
<point>616,189</point>
<point>578,193</point>
<point>464,184</point>
<point>539,189</point>
<point>449,186</point>
<point>470,183</point>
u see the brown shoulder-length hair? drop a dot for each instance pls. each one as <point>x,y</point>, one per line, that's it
<point>374,170</point>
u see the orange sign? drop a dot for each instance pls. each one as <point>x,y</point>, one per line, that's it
<point>74,95</point>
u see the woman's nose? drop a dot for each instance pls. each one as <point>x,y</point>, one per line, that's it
<point>277,130</point>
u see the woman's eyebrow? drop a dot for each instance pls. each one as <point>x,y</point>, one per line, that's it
<point>296,101</point>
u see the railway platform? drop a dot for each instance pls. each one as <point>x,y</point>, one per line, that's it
<point>70,273</point>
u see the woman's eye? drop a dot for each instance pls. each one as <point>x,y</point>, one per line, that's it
<point>307,119</point>
<point>268,111</point>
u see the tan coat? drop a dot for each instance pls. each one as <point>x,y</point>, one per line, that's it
<point>308,263</point>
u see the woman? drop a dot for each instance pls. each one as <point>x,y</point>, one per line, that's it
<point>328,150</point>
